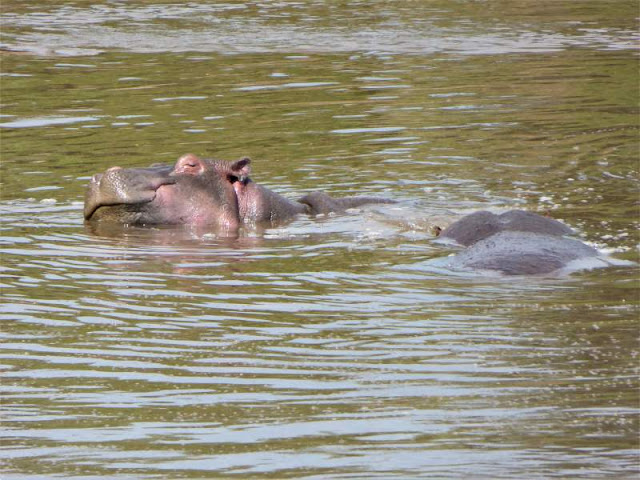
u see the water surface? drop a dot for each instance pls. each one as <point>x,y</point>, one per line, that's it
<point>329,347</point>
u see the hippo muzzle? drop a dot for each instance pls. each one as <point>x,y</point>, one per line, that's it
<point>124,186</point>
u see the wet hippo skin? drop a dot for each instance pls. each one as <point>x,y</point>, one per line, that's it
<point>199,192</point>
<point>514,243</point>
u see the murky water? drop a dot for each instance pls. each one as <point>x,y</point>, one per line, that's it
<point>330,347</point>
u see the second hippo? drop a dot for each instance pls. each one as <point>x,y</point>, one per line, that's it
<point>514,243</point>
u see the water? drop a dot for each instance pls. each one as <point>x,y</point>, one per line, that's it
<point>329,347</point>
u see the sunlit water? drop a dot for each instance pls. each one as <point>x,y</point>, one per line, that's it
<point>330,347</point>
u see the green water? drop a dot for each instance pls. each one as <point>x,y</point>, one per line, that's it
<point>329,347</point>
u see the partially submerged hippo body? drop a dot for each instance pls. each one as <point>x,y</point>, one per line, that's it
<point>514,243</point>
<point>199,192</point>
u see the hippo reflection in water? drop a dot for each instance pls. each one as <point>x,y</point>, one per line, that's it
<point>199,192</point>
<point>221,194</point>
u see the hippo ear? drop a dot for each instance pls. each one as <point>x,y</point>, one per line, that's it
<point>189,164</point>
<point>241,169</point>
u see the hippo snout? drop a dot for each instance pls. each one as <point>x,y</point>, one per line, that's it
<point>124,186</point>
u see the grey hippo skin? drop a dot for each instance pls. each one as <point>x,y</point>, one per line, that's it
<point>199,192</point>
<point>514,243</point>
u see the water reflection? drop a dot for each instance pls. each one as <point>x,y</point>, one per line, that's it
<point>45,121</point>
<point>249,27</point>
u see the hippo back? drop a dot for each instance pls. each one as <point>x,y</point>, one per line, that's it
<point>480,225</point>
<point>521,253</point>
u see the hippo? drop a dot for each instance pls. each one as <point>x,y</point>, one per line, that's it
<point>197,191</point>
<point>514,243</point>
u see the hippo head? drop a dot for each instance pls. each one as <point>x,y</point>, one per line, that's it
<point>194,191</point>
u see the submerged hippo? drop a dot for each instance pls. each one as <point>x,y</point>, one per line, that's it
<point>514,243</point>
<point>199,192</point>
